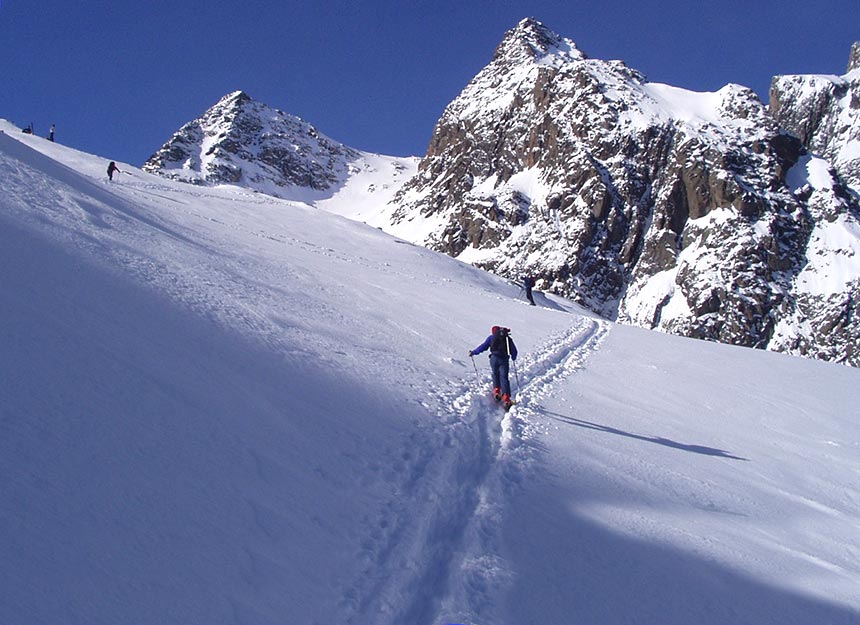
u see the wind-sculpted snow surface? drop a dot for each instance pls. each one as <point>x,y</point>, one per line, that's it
<point>221,407</point>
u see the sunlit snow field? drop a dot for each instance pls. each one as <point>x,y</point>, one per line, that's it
<point>219,407</point>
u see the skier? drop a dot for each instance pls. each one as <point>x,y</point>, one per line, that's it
<point>502,349</point>
<point>528,284</point>
<point>112,168</point>
<point>51,133</point>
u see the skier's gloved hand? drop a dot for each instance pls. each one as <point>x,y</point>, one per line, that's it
<point>470,353</point>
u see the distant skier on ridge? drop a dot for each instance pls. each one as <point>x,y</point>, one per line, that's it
<point>502,349</point>
<point>111,169</point>
<point>528,285</point>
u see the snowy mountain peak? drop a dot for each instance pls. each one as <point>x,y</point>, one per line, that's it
<point>530,40</point>
<point>250,144</point>
<point>648,203</point>
<point>854,57</point>
<point>237,98</point>
<point>240,141</point>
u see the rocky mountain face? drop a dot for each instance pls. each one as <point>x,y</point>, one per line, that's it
<point>243,142</point>
<point>239,141</point>
<point>701,214</point>
<point>824,113</point>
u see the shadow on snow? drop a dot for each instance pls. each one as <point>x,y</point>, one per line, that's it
<point>659,440</point>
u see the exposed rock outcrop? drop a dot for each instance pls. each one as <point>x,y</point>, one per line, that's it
<point>687,212</point>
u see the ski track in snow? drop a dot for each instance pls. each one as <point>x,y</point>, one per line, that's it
<point>408,517</point>
<point>483,573</point>
<point>444,562</point>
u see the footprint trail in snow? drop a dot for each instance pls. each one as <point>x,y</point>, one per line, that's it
<point>435,551</point>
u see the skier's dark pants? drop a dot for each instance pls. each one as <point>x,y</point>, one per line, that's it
<point>500,366</point>
<point>529,295</point>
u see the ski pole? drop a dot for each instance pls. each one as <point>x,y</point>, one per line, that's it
<point>513,360</point>
<point>477,375</point>
<point>516,375</point>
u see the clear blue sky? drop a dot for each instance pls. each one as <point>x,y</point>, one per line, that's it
<point>119,77</point>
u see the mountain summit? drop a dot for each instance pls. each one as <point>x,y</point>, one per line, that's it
<point>531,41</point>
<point>854,58</point>
<point>242,142</point>
<point>691,213</point>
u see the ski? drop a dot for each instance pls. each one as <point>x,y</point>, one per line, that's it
<point>498,401</point>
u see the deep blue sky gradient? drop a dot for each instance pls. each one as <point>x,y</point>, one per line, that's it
<point>119,77</point>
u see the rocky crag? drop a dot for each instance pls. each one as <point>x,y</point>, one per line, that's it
<point>700,214</point>
<point>242,142</point>
<point>822,317</point>
<point>824,113</point>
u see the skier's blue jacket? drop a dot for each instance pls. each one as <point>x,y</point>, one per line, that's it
<point>501,350</point>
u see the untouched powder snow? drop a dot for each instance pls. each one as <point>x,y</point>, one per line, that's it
<point>220,407</point>
<point>684,105</point>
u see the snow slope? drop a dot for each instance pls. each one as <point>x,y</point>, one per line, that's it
<point>221,407</point>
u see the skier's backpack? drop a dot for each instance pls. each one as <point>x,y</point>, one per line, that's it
<point>499,344</point>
